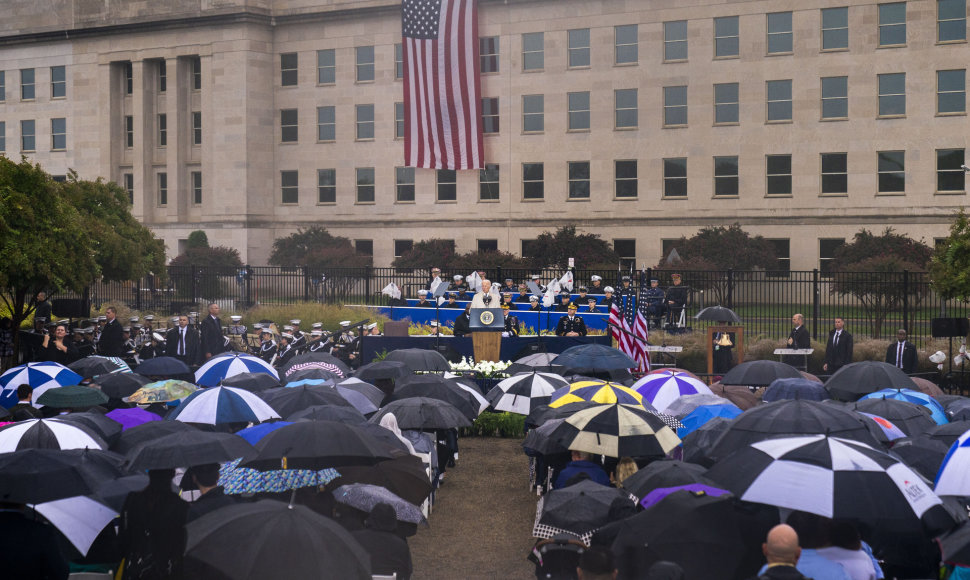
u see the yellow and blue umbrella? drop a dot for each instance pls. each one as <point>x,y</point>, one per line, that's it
<point>596,392</point>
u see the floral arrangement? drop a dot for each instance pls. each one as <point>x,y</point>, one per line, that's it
<point>485,368</point>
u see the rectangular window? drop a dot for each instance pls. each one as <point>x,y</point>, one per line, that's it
<point>835,173</point>
<point>3,136</point>
<point>675,106</point>
<point>487,245</point>
<point>326,186</point>
<point>533,181</point>
<point>197,127</point>
<point>533,113</point>
<point>129,78</point>
<point>533,51</point>
<point>402,247</point>
<point>779,33</point>
<point>162,77</point>
<point>365,122</point>
<point>365,185</point>
<point>951,91</point>
<point>289,125</point>
<point>827,247</point>
<point>726,37</point>
<point>778,174</point>
<point>892,24</point>
<point>196,73</point>
<point>625,49</point>
<point>726,104</point>
<point>949,171</point>
<point>625,179</point>
<point>625,113</point>
<point>490,116</point>
<point>326,123</point>
<point>365,63</point>
<point>783,256</point>
<point>726,176</point>
<point>578,111</point>
<point>398,62</point>
<point>578,49</point>
<point>404,184</point>
<point>892,171</point>
<point>578,179</point>
<point>3,86</point>
<point>675,177</point>
<point>129,131</point>
<point>528,248</point>
<point>162,130</point>
<point>675,40</point>
<point>488,183</point>
<point>326,67</point>
<point>892,95</point>
<point>447,186</point>
<point>197,187</point>
<point>58,82</point>
<point>835,28</point>
<point>627,251</point>
<point>951,20</point>
<point>27,88</point>
<point>58,134</point>
<point>778,94</point>
<point>28,136</point>
<point>162,189</point>
<point>289,70</point>
<point>399,120</point>
<point>290,186</point>
<point>129,181</point>
<point>835,97</point>
<point>488,54</point>
<point>364,247</point>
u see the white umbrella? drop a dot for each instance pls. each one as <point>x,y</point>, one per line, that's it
<point>79,518</point>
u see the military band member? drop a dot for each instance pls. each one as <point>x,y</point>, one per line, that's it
<point>511,322</point>
<point>267,346</point>
<point>319,343</point>
<point>372,330</point>
<point>571,325</point>
<point>299,340</point>
<point>286,350</point>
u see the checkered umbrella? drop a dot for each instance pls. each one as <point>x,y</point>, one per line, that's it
<point>40,376</point>
<point>616,431</point>
<point>525,391</point>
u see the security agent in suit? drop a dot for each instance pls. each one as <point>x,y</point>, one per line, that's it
<point>511,322</point>
<point>902,353</point>
<point>838,348</point>
<point>182,342</point>
<point>112,340</point>
<point>571,325</point>
<point>211,340</point>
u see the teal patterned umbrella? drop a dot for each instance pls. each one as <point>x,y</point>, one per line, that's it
<point>238,480</point>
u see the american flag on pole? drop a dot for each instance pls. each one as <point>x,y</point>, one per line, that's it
<point>621,314</point>
<point>641,328</point>
<point>442,88</point>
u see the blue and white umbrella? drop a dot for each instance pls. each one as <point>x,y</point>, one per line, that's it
<point>663,390</point>
<point>912,396</point>
<point>954,475</point>
<point>218,405</point>
<point>229,365</point>
<point>40,376</point>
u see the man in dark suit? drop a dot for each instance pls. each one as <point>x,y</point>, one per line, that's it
<point>112,340</point>
<point>902,353</point>
<point>212,341</point>
<point>182,342</point>
<point>798,338</point>
<point>838,349</point>
<point>571,325</point>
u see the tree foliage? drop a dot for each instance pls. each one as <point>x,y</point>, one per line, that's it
<point>553,250</point>
<point>426,254</point>
<point>316,248</point>
<point>950,265</point>
<point>487,260</point>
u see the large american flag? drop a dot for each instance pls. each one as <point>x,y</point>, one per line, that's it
<point>442,89</point>
<point>640,327</point>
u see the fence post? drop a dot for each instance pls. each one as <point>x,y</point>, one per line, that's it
<point>816,303</point>
<point>368,272</point>
<point>729,299</point>
<point>249,286</point>
<point>137,294</point>
<point>906,301</point>
<point>306,283</point>
<point>499,279</point>
<point>195,282</point>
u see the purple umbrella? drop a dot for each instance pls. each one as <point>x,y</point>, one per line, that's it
<point>131,417</point>
<point>661,492</point>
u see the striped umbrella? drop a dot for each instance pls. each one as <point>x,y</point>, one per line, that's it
<point>230,364</point>
<point>40,376</point>
<point>48,434</point>
<point>616,430</point>
<point>662,390</point>
<point>596,392</point>
<point>913,396</point>
<point>218,405</point>
<point>525,391</point>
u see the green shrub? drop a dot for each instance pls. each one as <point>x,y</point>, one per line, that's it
<point>490,424</point>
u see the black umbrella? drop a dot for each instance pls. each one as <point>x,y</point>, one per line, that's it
<point>923,454</point>
<point>543,413</point>
<point>958,410</point>
<point>717,314</point>
<point>699,443</point>
<point>593,357</point>
<point>911,418</point>
<point>795,389</point>
<point>317,445</point>
<point>163,366</point>
<point>405,476</point>
<point>188,448</point>
<point>442,391</point>
<point>120,385</point>
<point>664,473</point>
<point>92,366</point>
<point>289,400</point>
<point>579,508</point>
<point>252,382</point>
<point>316,360</point>
<point>759,373</point>
<point>955,545</point>
<point>423,413</point>
<point>41,475</point>
<point>107,428</point>
<point>861,378</point>
<point>949,432</point>
<point>72,397</point>
<point>270,539</point>
<point>947,399</point>
<point>791,418</point>
<point>311,373</point>
<point>348,415</point>
<point>540,361</point>
<point>373,394</point>
<point>48,434</point>
<point>383,369</point>
<point>387,437</point>
<point>540,439</point>
<point>419,359</point>
<point>131,438</point>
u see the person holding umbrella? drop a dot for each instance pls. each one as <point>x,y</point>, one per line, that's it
<point>389,553</point>
<point>213,496</point>
<point>838,348</point>
<point>152,535</point>
<point>28,548</point>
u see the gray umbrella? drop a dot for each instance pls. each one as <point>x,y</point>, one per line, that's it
<point>419,359</point>
<point>717,314</point>
<point>759,373</point>
<point>365,496</point>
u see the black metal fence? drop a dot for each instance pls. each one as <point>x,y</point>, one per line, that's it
<point>874,304</point>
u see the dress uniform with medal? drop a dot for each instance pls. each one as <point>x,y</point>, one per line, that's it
<point>571,324</point>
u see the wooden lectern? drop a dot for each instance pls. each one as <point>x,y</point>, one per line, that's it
<point>486,325</point>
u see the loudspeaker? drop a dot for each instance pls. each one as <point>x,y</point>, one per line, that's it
<point>71,308</point>
<point>950,327</point>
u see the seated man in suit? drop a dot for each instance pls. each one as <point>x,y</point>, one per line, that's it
<point>571,325</point>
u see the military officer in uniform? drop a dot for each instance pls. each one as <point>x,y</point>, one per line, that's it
<point>608,298</point>
<point>596,284</point>
<point>592,306</point>
<point>582,299</point>
<point>423,299</point>
<point>625,291</point>
<point>564,303</point>
<point>299,339</point>
<point>451,301</point>
<point>571,325</point>
<point>508,286</point>
<point>655,302</point>
<point>523,295</point>
<point>511,322</point>
<point>458,285</point>
<point>534,303</point>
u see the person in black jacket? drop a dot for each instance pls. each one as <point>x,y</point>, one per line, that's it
<point>902,353</point>
<point>463,322</point>
<point>571,325</point>
<point>182,342</point>
<point>389,553</point>
<point>60,348</point>
<point>28,548</point>
<point>152,532</point>
<point>511,322</point>
<point>212,341</point>
<point>112,340</point>
<point>206,478</point>
<point>42,309</point>
<point>838,348</point>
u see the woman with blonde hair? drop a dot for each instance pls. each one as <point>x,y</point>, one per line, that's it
<point>624,469</point>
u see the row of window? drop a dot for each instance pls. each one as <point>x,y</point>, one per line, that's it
<point>28,83</point>
<point>834,177</point>
<point>28,135</point>
<point>779,39</point>
<point>161,128</point>
<point>161,187</point>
